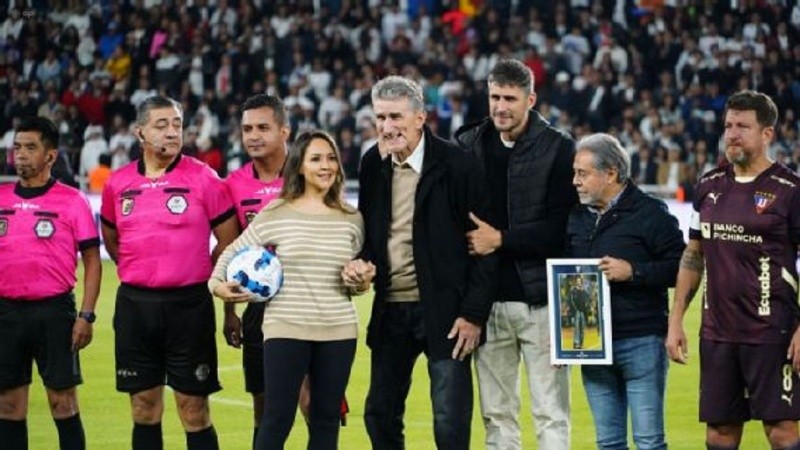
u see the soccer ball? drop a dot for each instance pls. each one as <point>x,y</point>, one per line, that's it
<point>258,271</point>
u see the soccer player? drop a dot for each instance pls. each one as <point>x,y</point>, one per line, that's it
<point>43,225</point>
<point>744,236</point>
<point>579,305</point>
<point>158,213</point>
<point>265,131</point>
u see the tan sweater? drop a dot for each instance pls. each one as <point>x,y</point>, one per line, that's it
<point>402,273</point>
<point>313,303</point>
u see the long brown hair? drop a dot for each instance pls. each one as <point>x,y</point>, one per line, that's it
<point>294,183</point>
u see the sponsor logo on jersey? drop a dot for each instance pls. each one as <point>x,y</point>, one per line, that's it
<point>127,206</point>
<point>44,228</point>
<point>732,232</point>
<point>177,204</point>
<point>26,206</point>
<point>763,200</point>
<point>268,190</point>
<point>3,227</point>
<point>765,281</point>
<point>153,184</point>
<point>705,230</point>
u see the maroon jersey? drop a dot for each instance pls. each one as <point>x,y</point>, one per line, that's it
<point>749,233</point>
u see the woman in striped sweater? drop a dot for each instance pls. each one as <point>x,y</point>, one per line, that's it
<point>310,326</point>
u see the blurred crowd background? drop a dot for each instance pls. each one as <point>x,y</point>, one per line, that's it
<point>654,73</point>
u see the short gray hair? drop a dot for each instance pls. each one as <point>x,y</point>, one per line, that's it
<point>154,102</point>
<point>395,87</point>
<point>608,154</point>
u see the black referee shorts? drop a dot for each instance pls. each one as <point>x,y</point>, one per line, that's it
<point>40,331</point>
<point>166,337</point>
<point>253,347</point>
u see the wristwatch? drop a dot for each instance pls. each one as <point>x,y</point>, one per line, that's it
<point>88,316</point>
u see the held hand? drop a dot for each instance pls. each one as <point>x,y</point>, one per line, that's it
<point>81,334</point>
<point>676,343</point>
<point>793,353</point>
<point>483,240</point>
<point>616,269</point>
<point>231,292</point>
<point>232,329</point>
<point>358,274</point>
<point>468,335</point>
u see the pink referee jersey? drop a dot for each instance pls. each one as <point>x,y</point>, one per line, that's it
<point>250,194</point>
<point>41,231</point>
<point>164,225</point>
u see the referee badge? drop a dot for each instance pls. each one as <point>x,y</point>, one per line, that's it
<point>177,204</point>
<point>44,228</point>
<point>3,227</point>
<point>127,206</point>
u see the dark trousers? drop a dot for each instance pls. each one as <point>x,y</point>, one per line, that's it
<point>402,340</point>
<point>286,361</point>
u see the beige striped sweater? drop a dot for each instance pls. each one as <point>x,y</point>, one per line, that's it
<point>313,303</point>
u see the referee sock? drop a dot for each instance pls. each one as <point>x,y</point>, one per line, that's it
<point>147,437</point>
<point>205,439</point>
<point>70,433</point>
<point>795,446</point>
<point>14,434</point>
<point>720,447</point>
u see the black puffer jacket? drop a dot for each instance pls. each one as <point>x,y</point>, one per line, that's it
<point>640,230</point>
<point>540,196</point>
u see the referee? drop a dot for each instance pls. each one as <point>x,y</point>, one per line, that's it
<point>158,214</point>
<point>43,226</point>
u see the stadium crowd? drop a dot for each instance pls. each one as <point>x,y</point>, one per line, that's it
<point>654,73</point>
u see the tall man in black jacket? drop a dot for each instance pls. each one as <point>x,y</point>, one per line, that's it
<point>528,166</point>
<point>416,193</point>
<point>639,245</point>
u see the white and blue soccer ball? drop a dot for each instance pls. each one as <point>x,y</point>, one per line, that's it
<point>258,271</point>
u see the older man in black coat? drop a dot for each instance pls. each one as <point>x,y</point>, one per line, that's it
<point>416,193</point>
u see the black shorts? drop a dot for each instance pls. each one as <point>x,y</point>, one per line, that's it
<point>739,382</point>
<point>42,331</point>
<point>253,348</point>
<point>166,336</point>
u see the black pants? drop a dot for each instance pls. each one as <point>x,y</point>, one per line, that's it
<point>286,361</point>
<point>401,342</point>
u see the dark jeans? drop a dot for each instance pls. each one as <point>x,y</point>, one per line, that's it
<point>402,340</point>
<point>286,361</point>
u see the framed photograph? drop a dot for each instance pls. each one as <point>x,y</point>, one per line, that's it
<point>580,312</point>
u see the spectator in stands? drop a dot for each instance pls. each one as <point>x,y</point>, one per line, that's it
<point>673,173</point>
<point>643,166</point>
<point>100,174</point>
<point>94,145</point>
<point>462,44</point>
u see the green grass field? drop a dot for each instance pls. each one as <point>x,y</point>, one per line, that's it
<point>106,413</point>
